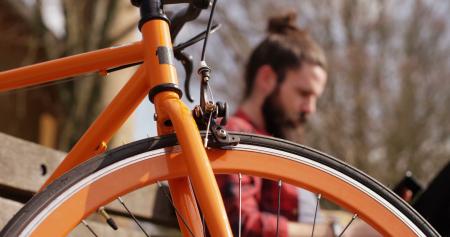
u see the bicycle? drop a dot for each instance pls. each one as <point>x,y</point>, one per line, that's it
<point>82,184</point>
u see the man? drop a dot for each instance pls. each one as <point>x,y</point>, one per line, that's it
<point>285,76</point>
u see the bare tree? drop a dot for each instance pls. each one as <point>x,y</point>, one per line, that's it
<point>387,89</point>
<point>87,26</point>
<point>386,103</point>
<point>385,109</point>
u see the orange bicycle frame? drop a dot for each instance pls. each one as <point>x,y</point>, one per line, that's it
<point>168,106</point>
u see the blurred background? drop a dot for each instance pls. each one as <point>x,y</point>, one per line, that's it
<point>385,109</point>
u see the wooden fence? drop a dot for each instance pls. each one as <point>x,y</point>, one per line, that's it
<point>24,166</point>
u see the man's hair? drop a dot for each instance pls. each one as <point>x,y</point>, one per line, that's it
<point>285,47</point>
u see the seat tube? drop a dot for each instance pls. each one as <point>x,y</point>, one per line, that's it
<point>161,77</point>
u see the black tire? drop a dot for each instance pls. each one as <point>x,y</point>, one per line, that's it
<point>40,201</point>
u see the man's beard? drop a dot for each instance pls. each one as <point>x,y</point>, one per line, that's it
<point>279,123</point>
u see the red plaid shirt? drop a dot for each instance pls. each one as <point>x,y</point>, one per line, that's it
<point>259,196</point>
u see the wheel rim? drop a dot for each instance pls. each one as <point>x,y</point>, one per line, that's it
<point>63,214</point>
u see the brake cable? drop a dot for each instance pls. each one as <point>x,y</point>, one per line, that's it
<point>185,59</point>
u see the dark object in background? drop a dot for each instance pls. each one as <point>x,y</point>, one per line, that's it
<point>434,203</point>
<point>163,211</point>
<point>408,188</point>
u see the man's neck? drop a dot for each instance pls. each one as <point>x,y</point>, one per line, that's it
<point>253,109</point>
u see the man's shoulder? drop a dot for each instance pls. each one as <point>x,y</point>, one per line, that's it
<point>239,124</point>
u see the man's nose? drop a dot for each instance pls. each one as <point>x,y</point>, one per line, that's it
<point>308,106</point>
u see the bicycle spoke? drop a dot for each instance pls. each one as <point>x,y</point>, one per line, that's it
<point>348,224</point>
<point>315,212</point>
<point>89,228</point>
<point>279,205</point>
<point>176,210</point>
<point>240,204</point>
<point>132,216</point>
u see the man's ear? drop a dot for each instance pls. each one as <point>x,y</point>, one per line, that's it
<point>266,79</point>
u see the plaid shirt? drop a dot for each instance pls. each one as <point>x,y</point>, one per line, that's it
<point>259,196</point>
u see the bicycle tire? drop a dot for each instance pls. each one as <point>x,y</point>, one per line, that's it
<point>255,155</point>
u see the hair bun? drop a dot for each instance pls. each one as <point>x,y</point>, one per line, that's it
<point>282,23</point>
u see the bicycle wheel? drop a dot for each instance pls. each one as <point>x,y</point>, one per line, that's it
<point>98,181</point>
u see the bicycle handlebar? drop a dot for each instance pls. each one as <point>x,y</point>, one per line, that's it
<point>202,4</point>
<point>187,14</point>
